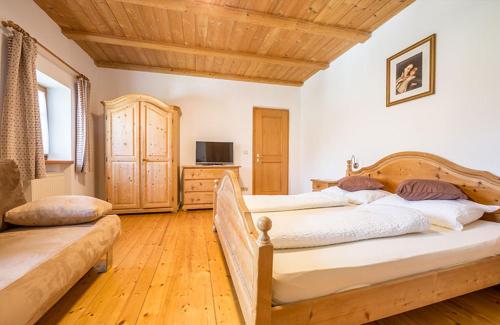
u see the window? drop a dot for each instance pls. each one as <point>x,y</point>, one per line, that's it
<point>55,103</point>
<point>44,118</point>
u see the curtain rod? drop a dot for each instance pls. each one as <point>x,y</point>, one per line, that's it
<point>13,25</point>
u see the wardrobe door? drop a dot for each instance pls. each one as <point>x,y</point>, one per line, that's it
<point>156,156</point>
<point>122,156</point>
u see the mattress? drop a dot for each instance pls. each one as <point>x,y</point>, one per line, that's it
<point>305,273</point>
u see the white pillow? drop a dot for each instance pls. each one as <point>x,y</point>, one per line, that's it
<point>453,214</point>
<point>356,197</point>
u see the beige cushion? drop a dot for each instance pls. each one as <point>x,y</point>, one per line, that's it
<point>58,210</point>
<point>11,191</point>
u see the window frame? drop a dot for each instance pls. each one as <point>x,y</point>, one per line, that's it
<point>44,89</point>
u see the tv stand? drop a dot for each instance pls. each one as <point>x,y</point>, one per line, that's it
<point>198,184</point>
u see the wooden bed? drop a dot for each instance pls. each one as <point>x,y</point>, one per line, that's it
<point>249,253</point>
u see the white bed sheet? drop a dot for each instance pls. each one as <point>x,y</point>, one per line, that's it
<point>306,273</point>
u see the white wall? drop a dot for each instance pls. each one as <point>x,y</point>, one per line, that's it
<point>212,109</point>
<point>338,112</point>
<point>215,110</point>
<point>343,108</point>
<point>29,16</point>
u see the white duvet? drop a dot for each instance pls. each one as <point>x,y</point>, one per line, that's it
<point>321,227</point>
<point>270,203</point>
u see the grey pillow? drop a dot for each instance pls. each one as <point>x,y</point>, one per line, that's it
<point>11,190</point>
<point>58,210</point>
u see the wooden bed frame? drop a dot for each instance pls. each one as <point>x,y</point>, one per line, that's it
<point>249,253</point>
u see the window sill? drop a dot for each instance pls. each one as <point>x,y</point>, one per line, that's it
<point>58,162</point>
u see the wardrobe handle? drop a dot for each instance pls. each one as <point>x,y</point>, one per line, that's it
<point>145,160</point>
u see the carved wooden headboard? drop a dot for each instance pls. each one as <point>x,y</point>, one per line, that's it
<point>480,186</point>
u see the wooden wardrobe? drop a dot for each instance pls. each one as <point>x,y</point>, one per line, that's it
<point>142,154</point>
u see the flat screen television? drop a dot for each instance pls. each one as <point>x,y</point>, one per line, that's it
<point>214,153</point>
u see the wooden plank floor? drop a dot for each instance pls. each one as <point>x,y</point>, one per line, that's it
<point>169,269</point>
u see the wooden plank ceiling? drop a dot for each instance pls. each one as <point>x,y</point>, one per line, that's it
<point>269,41</point>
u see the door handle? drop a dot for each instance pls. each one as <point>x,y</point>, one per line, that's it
<point>257,156</point>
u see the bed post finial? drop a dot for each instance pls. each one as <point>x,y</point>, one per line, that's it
<point>349,168</point>
<point>216,185</point>
<point>264,224</point>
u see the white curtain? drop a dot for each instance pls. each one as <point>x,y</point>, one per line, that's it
<point>20,129</point>
<point>82,158</point>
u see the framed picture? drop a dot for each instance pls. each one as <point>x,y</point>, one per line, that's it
<point>411,72</point>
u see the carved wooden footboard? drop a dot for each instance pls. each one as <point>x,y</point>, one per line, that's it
<point>249,254</point>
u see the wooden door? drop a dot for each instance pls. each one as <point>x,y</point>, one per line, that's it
<point>156,156</point>
<point>122,156</point>
<point>270,151</point>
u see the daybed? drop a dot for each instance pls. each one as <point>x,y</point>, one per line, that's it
<point>38,265</point>
<point>362,281</point>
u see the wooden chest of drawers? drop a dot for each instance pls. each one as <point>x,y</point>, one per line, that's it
<point>198,185</point>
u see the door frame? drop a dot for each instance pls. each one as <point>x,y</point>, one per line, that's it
<point>253,145</point>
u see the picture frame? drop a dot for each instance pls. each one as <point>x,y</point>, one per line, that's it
<point>411,73</point>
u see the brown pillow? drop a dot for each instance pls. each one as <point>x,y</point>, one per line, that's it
<point>11,190</point>
<point>428,189</point>
<point>358,183</point>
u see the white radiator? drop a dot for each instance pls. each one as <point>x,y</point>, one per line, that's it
<point>53,184</point>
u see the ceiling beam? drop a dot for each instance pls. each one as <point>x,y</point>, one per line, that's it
<point>254,17</point>
<point>170,47</point>
<point>170,70</point>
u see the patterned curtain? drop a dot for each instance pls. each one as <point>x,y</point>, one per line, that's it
<point>20,129</point>
<point>82,125</point>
